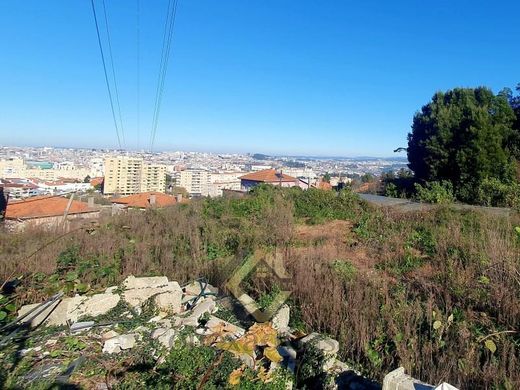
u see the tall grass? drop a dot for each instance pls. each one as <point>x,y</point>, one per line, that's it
<point>422,290</point>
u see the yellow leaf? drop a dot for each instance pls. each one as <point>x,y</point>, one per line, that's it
<point>272,354</point>
<point>437,324</point>
<point>490,344</point>
<point>234,377</point>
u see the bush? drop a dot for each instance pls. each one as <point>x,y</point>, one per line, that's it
<point>493,192</point>
<point>435,192</point>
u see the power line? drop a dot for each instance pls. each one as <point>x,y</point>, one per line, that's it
<point>105,72</point>
<point>165,56</point>
<point>113,73</point>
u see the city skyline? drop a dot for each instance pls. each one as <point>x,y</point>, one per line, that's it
<point>309,79</point>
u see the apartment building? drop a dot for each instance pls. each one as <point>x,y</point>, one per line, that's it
<point>12,167</point>
<point>224,181</point>
<point>195,181</point>
<point>130,175</point>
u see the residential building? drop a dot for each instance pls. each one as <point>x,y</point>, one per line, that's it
<point>196,182</point>
<point>224,181</point>
<point>268,176</point>
<point>12,167</point>
<point>145,200</point>
<point>130,175</point>
<point>48,212</point>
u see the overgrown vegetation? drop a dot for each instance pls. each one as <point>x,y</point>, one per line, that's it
<point>437,292</point>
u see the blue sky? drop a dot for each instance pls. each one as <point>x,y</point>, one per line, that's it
<point>337,78</point>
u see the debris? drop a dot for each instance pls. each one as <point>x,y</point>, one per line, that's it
<point>280,320</point>
<point>118,343</point>
<point>167,338</point>
<point>81,326</point>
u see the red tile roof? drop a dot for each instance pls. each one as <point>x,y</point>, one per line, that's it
<point>142,200</point>
<point>268,176</point>
<point>44,206</point>
<point>96,181</point>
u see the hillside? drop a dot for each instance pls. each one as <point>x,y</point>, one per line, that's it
<point>435,291</point>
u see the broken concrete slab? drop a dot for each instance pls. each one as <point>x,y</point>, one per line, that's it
<point>207,305</point>
<point>167,339</point>
<point>99,304</point>
<point>328,346</point>
<point>281,319</point>
<point>398,380</point>
<point>133,283</point>
<point>81,326</point>
<point>171,300</point>
<point>214,323</point>
<point>119,343</point>
<point>194,288</point>
<point>34,321</point>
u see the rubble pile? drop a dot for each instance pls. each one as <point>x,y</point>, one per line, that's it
<point>158,311</point>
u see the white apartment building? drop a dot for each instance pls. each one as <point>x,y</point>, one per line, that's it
<point>12,167</point>
<point>196,181</point>
<point>130,175</point>
<point>224,180</point>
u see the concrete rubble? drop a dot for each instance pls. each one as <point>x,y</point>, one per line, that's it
<point>194,308</point>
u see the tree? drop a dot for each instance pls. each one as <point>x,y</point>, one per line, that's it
<point>461,136</point>
<point>326,177</point>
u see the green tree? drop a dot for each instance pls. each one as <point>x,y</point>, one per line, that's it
<point>461,136</point>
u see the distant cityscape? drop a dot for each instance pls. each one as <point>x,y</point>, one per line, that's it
<point>32,171</point>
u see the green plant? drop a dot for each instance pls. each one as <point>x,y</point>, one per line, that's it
<point>435,192</point>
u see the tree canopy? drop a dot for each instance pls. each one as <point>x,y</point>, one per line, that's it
<point>463,136</point>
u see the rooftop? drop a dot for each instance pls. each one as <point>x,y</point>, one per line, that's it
<point>268,176</point>
<point>44,206</point>
<point>142,200</point>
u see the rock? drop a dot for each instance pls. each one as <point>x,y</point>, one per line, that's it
<point>329,348</point>
<point>132,282</point>
<point>170,301</point>
<point>126,341</point>
<point>214,323</point>
<point>167,338</point>
<point>112,346</point>
<point>99,304</point>
<point>111,290</point>
<point>192,340</point>
<point>109,335</point>
<point>194,289</point>
<point>280,320</point>
<point>207,305</point>
<point>398,380</point>
<point>51,342</point>
<point>116,344</point>
<point>81,326</point>
<point>158,332</point>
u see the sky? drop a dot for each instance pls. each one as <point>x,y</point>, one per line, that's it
<point>299,77</point>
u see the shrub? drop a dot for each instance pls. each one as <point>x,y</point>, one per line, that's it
<point>435,192</point>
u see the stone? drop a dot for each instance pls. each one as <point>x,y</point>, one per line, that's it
<point>445,386</point>
<point>398,380</point>
<point>214,322</point>
<point>67,310</point>
<point>193,289</point>
<point>328,346</point>
<point>112,346</point>
<point>133,283</point>
<point>111,290</point>
<point>126,341</point>
<point>280,320</point>
<point>99,304</point>
<point>118,343</point>
<point>207,305</point>
<point>158,332</point>
<point>109,335</point>
<point>170,301</point>
<point>167,338</point>
<point>192,340</point>
<point>81,326</point>
<point>51,342</point>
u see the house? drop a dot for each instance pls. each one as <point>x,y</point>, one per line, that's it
<point>267,176</point>
<point>144,200</point>
<point>47,211</point>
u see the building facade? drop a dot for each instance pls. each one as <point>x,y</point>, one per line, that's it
<point>130,175</point>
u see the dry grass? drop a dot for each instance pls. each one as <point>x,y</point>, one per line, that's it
<point>407,267</point>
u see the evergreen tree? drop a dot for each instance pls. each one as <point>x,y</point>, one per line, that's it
<point>461,136</point>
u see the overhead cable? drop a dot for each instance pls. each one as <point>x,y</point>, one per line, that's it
<point>105,72</point>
